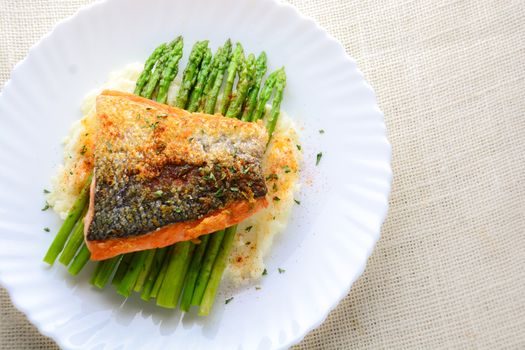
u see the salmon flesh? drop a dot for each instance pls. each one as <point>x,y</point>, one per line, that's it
<point>164,175</point>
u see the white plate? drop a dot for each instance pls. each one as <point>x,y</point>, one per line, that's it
<point>330,236</point>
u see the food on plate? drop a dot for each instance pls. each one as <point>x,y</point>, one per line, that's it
<point>163,175</point>
<point>169,181</point>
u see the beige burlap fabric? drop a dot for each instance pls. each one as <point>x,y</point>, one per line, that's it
<point>449,270</point>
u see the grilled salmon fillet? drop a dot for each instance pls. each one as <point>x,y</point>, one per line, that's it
<point>164,175</point>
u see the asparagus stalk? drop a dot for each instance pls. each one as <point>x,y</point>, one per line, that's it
<point>169,292</point>
<point>251,100</point>
<point>148,66</point>
<point>158,260</point>
<point>80,260</point>
<point>155,76</point>
<point>211,98</point>
<point>264,96</point>
<point>122,269</point>
<point>170,72</point>
<point>74,242</point>
<point>216,274</point>
<point>245,81</point>
<point>130,278</point>
<point>214,71</point>
<point>189,77</point>
<point>196,94</point>
<point>212,250</point>
<point>276,103</point>
<point>233,68</point>
<point>162,274</point>
<point>74,214</point>
<point>144,272</point>
<point>103,271</point>
<point>193,273</point>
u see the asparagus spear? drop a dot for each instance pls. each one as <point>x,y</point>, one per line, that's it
<point>169,292</point>
<point>170,72</point>
<point>193,273</point>
<point>80,260</point>
<point>74,242</point>
<point>216,274</point>
<point>144,272</point>
<point>103,271</point>
<point>158,260</point>
<point>148,66</point>
<point>162,274</point>
<point>196,94</point>
<point>245,81</point>
<point>154,78</point>
<point>251,100</point>
<point>211,98</point>
<point>233,68</point>
<point>122,269</point>
<point>128,281</point>
<point>189,77</point>
<point>74,214</point>
<point>212,250</point>
<point>264,96</point>
<point>276,103</point>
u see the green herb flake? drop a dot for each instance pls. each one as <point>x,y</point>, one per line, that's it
<point>46,229</point>
<point>228,300</point>
<point>234,189</point>
<point>277,199</point>
<point>272,177</point>
<point>297,202</point>
<point>298,147</point>
<point>162,116</point>
<point>149,108</point>
<point>46,207</point>
<point>190,139</point>
<point>83,150</point>
<point>219,193</point>
<point>248,243</point>
<point>178,210</point>
<point>265,272</point>
<point>257,288</point>
<point>158,193</point>
<point>247,229</point>
<point>245,170</point>
<point>287,169</point>
<point>281,270</point>
<point>274,187</point>
<point>318,158</point>
<point>46,191</point>
<point>321,131</point>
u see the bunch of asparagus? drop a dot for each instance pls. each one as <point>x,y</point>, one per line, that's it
<point>186,271</point>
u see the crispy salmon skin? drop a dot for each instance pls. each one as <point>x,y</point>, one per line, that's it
<point>164,175</point>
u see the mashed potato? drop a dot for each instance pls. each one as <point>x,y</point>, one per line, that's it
<point>254,236</point>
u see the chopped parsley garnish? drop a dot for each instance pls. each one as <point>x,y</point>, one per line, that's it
<point>248,243</point>
<point>265,272</point>
<point>158,193</point>
<point>178,210</point>
<point>272,177</point>
<point>153,126</point>
<point>281,270</point>
<point>257,288</point>
<point>247,229</point>
<point>318,158</point>
<point>245,170</point>
<point>298,147</point>
<point>275,189</point>
<point>162,116</point>
<point>321,131</point>
<point>83,150</point>
<point>228,300</point>
<point>277,199</point>
<point>190,139</point>
<point>46,206</point>
<point>297,202</point>
<point>46,191</point>
<point>287,169</point>
<point>234,189</point>
<point>46,229</point>
<point>219,193</point>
